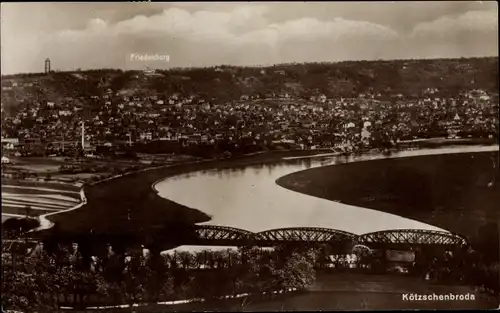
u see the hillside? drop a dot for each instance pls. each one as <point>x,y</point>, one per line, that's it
<point>345,79</point>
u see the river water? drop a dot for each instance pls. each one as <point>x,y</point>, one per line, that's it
<point>248,197</point>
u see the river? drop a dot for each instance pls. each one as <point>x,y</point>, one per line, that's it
<point>248,197</point>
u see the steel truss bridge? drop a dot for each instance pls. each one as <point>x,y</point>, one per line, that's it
<point>212,235</point>
<point>336,240</point>
<point>221,235</point>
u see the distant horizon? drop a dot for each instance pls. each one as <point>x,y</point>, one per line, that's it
<point>55,70</point>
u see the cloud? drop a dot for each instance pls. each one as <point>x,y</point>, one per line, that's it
<point>242,25</point>
<point>97,24</point>
<point>471,34</point>
<point>470,22</point>
<point>242,35</point>
<point>337,29</point>
<point>196,34</point>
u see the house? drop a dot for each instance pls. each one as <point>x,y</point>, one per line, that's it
<point>349,125</point>
<point>65,113</point>
<point>14,141</point>
<point>10,143</point>
<point>146,136</point>
<point>365,136</point>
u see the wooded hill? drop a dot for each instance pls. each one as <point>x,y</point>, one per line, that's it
<point>224,83</point>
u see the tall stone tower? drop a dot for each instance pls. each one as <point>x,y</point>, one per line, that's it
<point>47,65</point>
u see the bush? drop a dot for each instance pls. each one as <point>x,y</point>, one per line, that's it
<point>39,280</point>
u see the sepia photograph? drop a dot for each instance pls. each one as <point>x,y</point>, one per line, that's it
<point>249,156</point>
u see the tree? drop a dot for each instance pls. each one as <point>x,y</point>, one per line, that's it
<point>134,281</point>
<point>199,259</point>
<point>363,254</point>
<point>159,284</point>
<point>298,271</point>
<point>186,259</point>
<point>249,270</point>
<point>113,273</point>
<point>14,227</point>
<point>43,281</point>
<point>28,285</point>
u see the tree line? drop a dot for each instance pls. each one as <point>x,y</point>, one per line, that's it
<point>44,281</point>
<point>47,278</point>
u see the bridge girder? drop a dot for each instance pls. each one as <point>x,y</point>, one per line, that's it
<point>211,234</point>
<point>222,233</point>
<point>230,236</point>
<point>412,237</point>
<point>304,234</point>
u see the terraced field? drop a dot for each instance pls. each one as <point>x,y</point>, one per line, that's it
<point>36,198</point>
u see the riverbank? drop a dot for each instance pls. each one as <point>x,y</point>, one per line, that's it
<point>456,192</point>
<point>128,203</point>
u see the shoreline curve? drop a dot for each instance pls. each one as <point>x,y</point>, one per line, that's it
<point>152,176</point>
<point>312,182</point>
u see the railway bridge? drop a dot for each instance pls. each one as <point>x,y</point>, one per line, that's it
<point>337,241</point>
<point>212,235</point>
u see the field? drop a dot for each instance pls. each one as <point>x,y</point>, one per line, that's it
<point>457,192</point>
<point>43,188</point>
<point>36,198</point>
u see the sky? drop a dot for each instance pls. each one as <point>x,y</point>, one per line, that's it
<point>116,35</point>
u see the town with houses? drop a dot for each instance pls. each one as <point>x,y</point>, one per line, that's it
<point>40,125</point>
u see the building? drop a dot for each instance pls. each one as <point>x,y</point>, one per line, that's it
<point>146,136</point>
<point>365,136</point>
<point>47,65</point>
<point>151,72</point>
<point>14,141</point>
